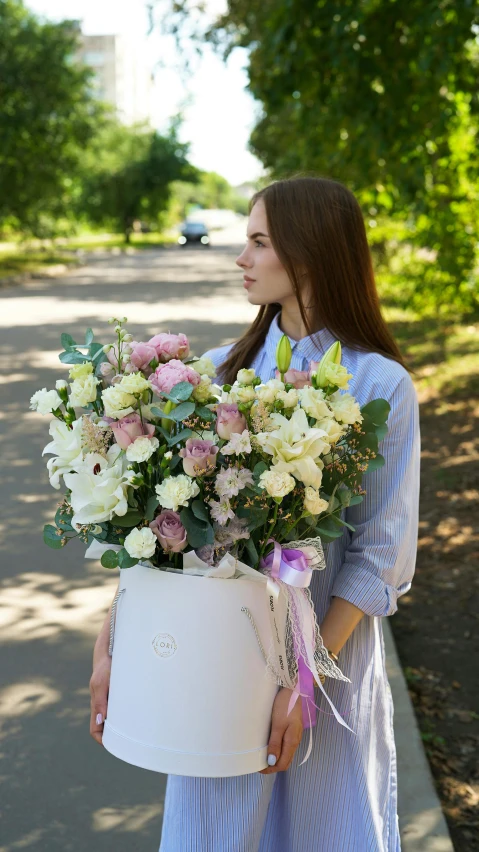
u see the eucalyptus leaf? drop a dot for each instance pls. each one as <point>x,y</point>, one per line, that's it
<point>200,511</point>
<point>376,463</point>
<point>180,392</point>
<point>88,336</point>
<point>125,560</point>
<point>151,505</point>
<point>109,559</point>
<point>198,532</point>
<point>51,537</point>
<point>181,436</point>
<point>377,410</point>
<point>255,516</point>
<point>184,410</point>
<point>205,413</point>
<point>250,548</point>
<point>129,519</point>
<point>73,357</point>
<point>67,341</point>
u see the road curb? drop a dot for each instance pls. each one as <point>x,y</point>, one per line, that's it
<point>422,824</point>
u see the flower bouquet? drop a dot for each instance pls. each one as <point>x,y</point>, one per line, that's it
<point>181,480</point>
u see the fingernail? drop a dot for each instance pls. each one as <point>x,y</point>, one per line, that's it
<point>271,759</point>
<point>99,718</point>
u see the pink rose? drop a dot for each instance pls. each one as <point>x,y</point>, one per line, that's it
<point>168,346</point>
<point>229,419</point>
<point>141,356</point>
<point>166,376</point>
<point>129,428</point>
<point>169,531</point>
<point>198,456</point>
<point>298,378</point>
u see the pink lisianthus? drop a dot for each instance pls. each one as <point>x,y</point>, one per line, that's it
<point>169,531</point>
<point>199,457</point>
<point>107,372</point>
<point>298,378</point>
<point>141,356</point>
<point>169,346</point>
<point>166,376</point>
<point>228,420</point>
<point>129,428</point>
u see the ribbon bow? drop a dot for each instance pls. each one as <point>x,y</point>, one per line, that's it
<point>290,566</point>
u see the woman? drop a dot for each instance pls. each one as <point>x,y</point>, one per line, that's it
<point>307,265</point>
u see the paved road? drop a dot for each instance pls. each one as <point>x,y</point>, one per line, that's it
<point>60,791</point>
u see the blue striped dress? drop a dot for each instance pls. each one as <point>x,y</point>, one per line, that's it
<point>344,798</point>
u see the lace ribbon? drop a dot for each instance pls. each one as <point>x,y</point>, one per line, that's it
<point>289,572</point>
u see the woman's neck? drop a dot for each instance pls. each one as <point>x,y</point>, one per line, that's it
<point>291,322</point>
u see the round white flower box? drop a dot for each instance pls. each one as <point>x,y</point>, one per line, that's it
<point>189,690</point>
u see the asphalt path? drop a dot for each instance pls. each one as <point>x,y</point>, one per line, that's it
<point>59,790</point>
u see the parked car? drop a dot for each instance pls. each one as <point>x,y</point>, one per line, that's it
<point>194,232</point>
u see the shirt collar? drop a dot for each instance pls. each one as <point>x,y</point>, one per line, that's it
<point>312,347</point>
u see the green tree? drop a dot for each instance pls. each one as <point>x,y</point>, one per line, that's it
<point>383,96</point>
<point>47,117</point>
<point>128,174</point>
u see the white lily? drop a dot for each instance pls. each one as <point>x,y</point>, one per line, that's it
<point>296,447</point>
<point>66,447</point>
<point>99,489</point>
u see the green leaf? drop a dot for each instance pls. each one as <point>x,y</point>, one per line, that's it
<point>259,468</point>
<point>198,532</point>
<point>376,463</point>
<point>73,357</point>
<point>125,560</point>
<point>67,341</point>
<point>184,410</point>
<point>255,516</point>
<point>62,520</point>
<point>250,548</point>
<point>179,392</point>
<point>88,336</point>
<point>96,353</point>
<point>327,534</point>
<point>377,410</point>
<point>51,537</point>
<point>200,511</point>
<point>205,413</point>
<point>130,519</point>
<point>109,559</point>
<point>175,462</point>
<point>342,523</point>
<point>381,431</point>
<point>159,413</point>
<point>151,505</point>
<point>181,436</point>
<point>355,499</point>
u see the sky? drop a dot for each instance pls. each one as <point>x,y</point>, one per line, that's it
<point>219,113</point>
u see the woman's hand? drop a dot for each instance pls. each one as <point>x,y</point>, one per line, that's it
<point>99,684</point>
<point>286,731</point>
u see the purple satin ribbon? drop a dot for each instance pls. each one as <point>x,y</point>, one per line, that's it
<point>291,566</point>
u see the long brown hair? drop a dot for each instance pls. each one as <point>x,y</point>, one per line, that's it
<point>317,224</point>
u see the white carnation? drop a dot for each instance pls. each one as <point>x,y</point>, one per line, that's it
<point>313,503</point>
<point>45,401</point>
<point>142,448</point>
<point>276,484</point>
<point>140,544</point>
<point>61,384</point>
<point>176,491</point>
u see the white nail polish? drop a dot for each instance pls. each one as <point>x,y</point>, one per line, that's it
<point>99,719</point>
<point>271,759</point>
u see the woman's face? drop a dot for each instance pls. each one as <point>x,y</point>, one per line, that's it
<point>259,262</point>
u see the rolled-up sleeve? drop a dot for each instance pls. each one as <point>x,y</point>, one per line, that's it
<point>380,559</point>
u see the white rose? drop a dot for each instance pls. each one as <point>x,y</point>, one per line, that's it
<point>99,491</point>
<point>288,398</point>
<point>313,503</point>
<point>276,484</point>
<point>265,394</point>
<point>117,402</point>
<point>202,391</point>
<point>345,408</point>
<point>83,390</point>
<point>314,403</point>
<point>142,448</point>
<point>204,366</point>
<point>66,447</point>
<point>45,401</point>
<point>140,544</point>
<point>244,394</point>
<point>80,370</point>
<point>133,383</point>
<point>176,491</point>
<point>61,384</point>
<point>333,429</point>
<point>276,384</point>
<point>245,377</point>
